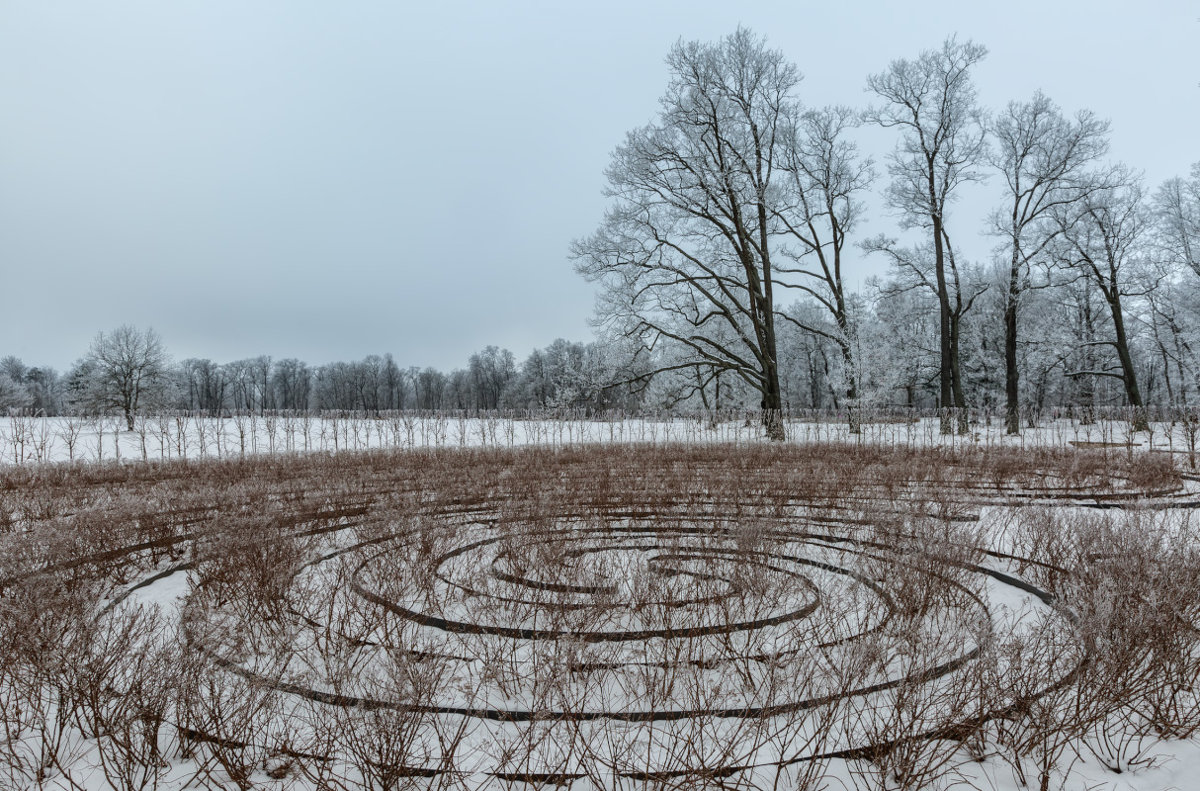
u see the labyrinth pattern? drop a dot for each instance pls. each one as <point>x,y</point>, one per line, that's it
<point>636,613</point>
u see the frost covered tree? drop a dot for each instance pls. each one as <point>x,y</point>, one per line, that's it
<point>124,371</point>
<point>242,381</point>
<point>1043,158</point>
<point>931,101</point>
<point>899,349</point>
<point>687,253</point>
<point>44,386</point>
<point>565,374</point>
<point>812,372</point>
<point>13,394</point>
<point>956,287</point>
<point>824,180</point>
<point>1101,237</point>
<point>1175,305</point>
<point>1177,211</point>
<point>1172,325</point>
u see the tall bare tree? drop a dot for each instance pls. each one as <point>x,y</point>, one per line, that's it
<point>203,384</point>
<point>1177,210</point>
<point>491,371</point>
<point>1101,236</point>
<point>686,252</point>
<point>956,290</point>
<point>291,383</point>
<point>1043,158</point>
<point>1176,307</point>
<point>931,100</point>
<point>824,176</point>
<point>126,368</point>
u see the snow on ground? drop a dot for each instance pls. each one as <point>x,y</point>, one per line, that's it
<point>1164,765</point>
<point>25,439</point>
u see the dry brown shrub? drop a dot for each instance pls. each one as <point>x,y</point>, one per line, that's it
<point>250,527</point>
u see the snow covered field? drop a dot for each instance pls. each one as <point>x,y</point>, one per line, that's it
<point>27,439</point>
<point>619,616</point>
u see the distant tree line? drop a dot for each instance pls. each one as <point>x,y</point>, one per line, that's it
<point>128,370</point>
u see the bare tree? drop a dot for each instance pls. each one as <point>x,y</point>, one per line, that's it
<point>291,384</point>
<point>429,386</point>
<point>961,286</point>
<point>1169,328</point>
<point>685,254</point>
<point>261,366</point>
<point>490,372</point>
<point>932,102</point>
<point>1177,209</point>
<point>395,385</point>
<point>366,377</point>
<point>204,383</point>
<point>125,368</point>
<point>1042,157</point>
<point>824,176</point>
<point>1101,235</point>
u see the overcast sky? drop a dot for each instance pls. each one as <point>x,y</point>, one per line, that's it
<point>326,180</point>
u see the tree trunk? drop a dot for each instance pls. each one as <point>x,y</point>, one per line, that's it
<point>852,415</point>
<point>1012,408</point>
<point>1087,385</point>
<point>851,391</point>
<point>772,404</point>
<point>960,401</point>
<point>129,405</point>
<point>1128,375</point>
<point>772,395</point>
<point>945,374</point>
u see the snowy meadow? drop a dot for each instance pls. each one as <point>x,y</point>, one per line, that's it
<point>29,438</point>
